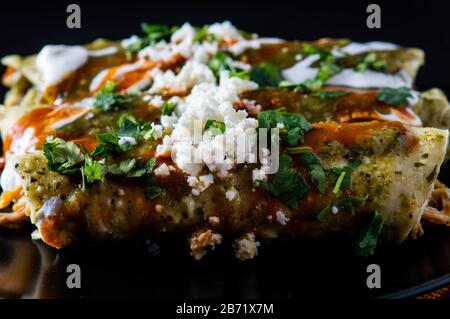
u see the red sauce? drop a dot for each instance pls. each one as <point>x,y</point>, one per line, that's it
<point>346,134</point>
<point>40,120</point>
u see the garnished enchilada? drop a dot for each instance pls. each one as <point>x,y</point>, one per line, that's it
<point>214,133</point>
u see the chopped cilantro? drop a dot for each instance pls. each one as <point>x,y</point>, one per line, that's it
<point>346,172</point>
<point>132,167</point>
<point>394,96</point>
<point>128,126</point>
<point>339,182</point>
<point>168,108</point>
<point>154,33</point>
<point>368,240</point>
<point>93,170</point>
<point>328,67</point>
<point>347,202</point>
<point>266,74</point>
<point>299,149</point>
<point>221,61</point>
<point>153,189</point>
<point>63,157</point>
<point>157,32</point>
<point>370,61</point>
<point>109,145</point>
<point>287,184</point>
<point>325,95</point>
<point>108,99</point>
<point>324,213</point>
<point>245,75</point>
<point>294,125</point>
<point>203,34</point>
<point>217,127</point>
<point>317,174</point>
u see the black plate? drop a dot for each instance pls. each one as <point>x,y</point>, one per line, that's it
<point>287,269</point>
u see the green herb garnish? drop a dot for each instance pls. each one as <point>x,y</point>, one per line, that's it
<point>287,184</point>
<point>368,240</point>
<point>266,74</point>
<point>325,95</point>
<point>109,144</point>
<point>317,174</point>
<point>370,61</point>
<point>394,96</point>
<point>168,108</point>
<point>216,127</point>
<point>63,157</point>
<point>294,125</point>
<point>109,99</point>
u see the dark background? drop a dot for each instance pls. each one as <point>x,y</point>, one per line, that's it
<point>27,26</point>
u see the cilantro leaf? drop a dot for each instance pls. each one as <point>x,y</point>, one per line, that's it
<point>221,61</point>
<point>325,95</point>
<point>168,108</point>
<point>287,184</point>
<point>152,189</point>
<point>368,240</point>
<point>317,174</point>
<point>347,202</point>
<point>93,170</point>
<point>154,33</point>
<point>108,99</point>
<point>203,34</point>
<point>328,67</point>
<point>133,167</point>
<point>370,61</point>
<point>266,74</point>
<point>394,96</point>
<point>217,127</point>
<point>295,125</point>
<point>346,172</point>
<point>128,126</point>
<point>243,74</point>
<point>63,157</point>
<point>109,145</point>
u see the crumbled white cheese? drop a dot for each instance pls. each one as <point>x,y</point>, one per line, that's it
<point>230,194</point>
<point>246,247</point>
<point>190,150</point>
<point>159,208</point>
<point>281,217</point>
<point>155,100</point>
<point>169,121</point>
<point>214,220</point>
<point>191,74</point>
<point>203,241</point>
<point>162,170</point>
<point>201,183</point>
<point>157,131</point>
